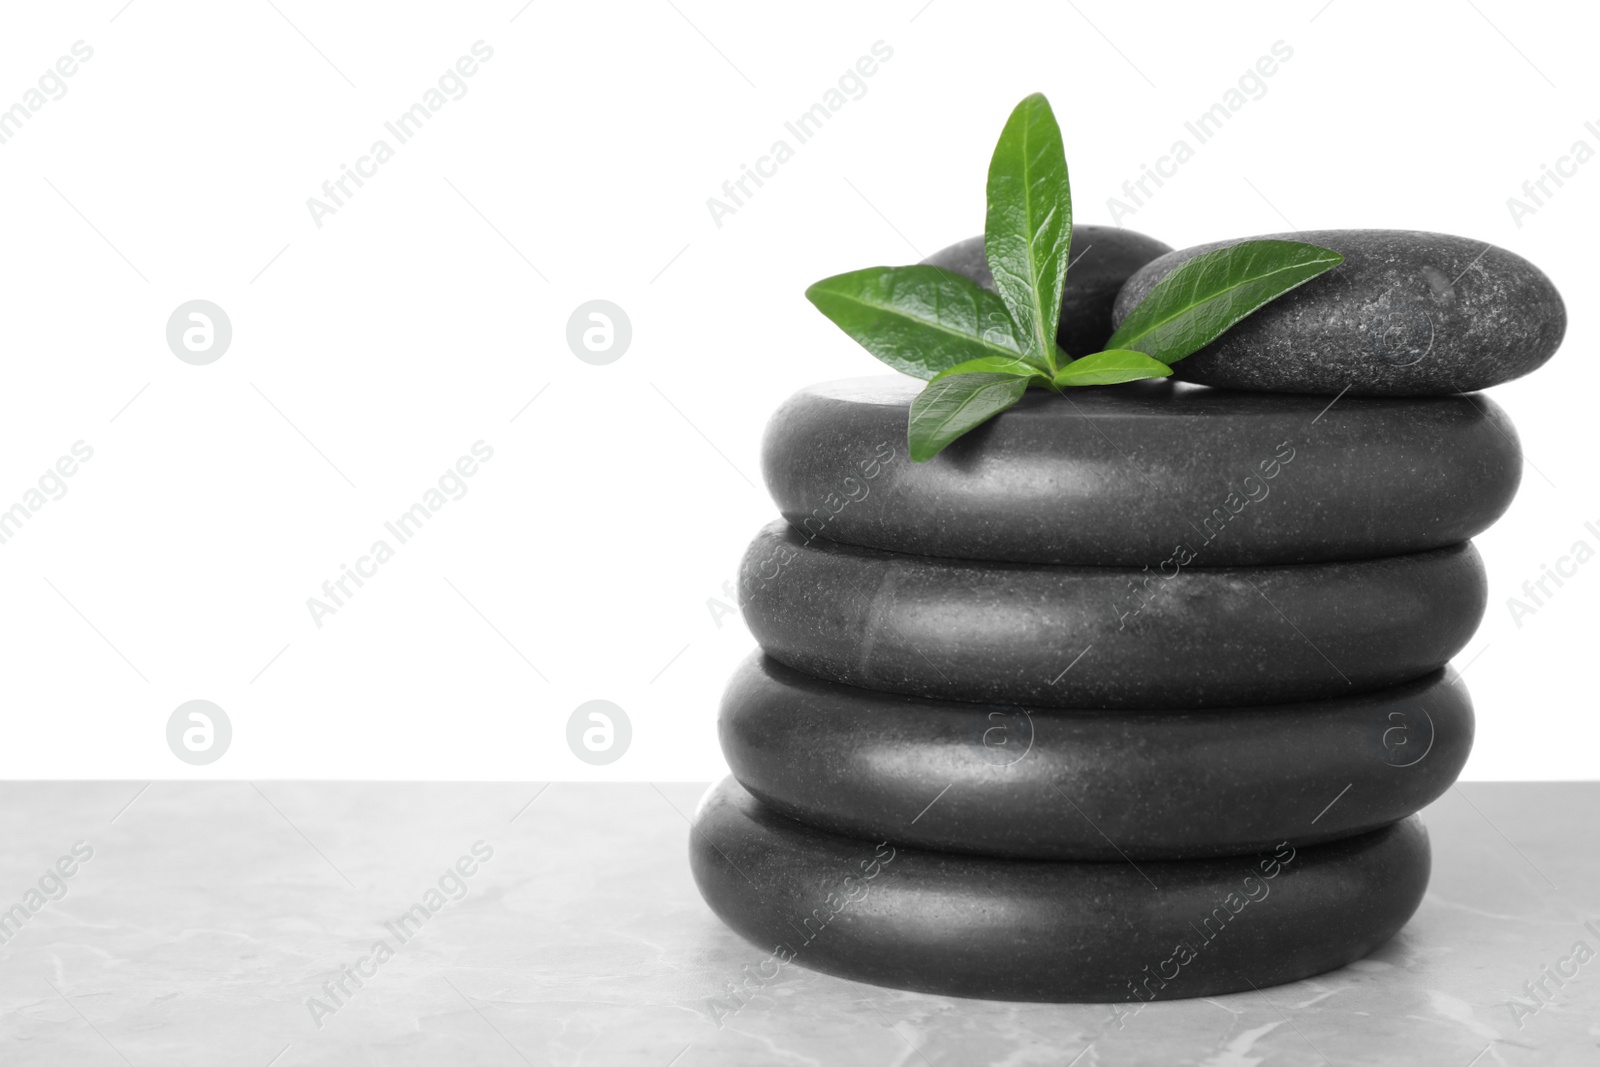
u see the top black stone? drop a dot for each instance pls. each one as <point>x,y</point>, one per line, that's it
<point>1407,314</point>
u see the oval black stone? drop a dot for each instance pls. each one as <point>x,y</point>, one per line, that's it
<point>1123,474</point>
<point>1103,258</point>
<point>1021,783</point>
<point>1020,930</point>
<point>1406,314</point>
<point>1107,637</point>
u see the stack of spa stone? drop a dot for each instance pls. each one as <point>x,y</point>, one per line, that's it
<point>1134,694</point>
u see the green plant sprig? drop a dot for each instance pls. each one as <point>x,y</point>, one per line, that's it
<point>980,351</point>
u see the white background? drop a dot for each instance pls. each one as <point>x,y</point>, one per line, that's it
<point>415,322</point>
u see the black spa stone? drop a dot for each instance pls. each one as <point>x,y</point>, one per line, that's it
<point>941,923</point>
<point>1106,637</point>
<point>1124,474</point>
<point>1103,257</point>
<point>1020,783</point>
<point>1406,314</point>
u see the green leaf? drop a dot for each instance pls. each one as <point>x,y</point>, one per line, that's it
<point>950,407</point>
<point>1014,365</point>
<point>920,320</point>
<point>1111,367</point>
<point>1198,302</point>
<point>1028,229</point>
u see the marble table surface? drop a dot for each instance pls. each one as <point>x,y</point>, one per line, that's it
<point>212,923</point>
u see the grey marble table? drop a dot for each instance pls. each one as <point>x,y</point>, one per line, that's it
<point>216,923</point>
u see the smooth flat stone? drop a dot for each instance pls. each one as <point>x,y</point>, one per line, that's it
<point>1103,258</point>
<point>1406,314</point>
<point>1018,783</point>
<point>1126,474</point>
<point>1107,637</point>
<point>971,926</point>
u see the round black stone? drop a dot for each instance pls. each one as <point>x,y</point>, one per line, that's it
<point>1107,637</point>
<point>1123,474</point>
<point>1406,314</point>
<point>1103,258</point>
<point>972,926</point>
<point>1021,783</point>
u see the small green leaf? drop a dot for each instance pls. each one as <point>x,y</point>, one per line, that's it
<point>1028,229</point>
<point>1111,367</point>
<point>950,407</point>
<point>1198,302</point>
<point>920,320</point>
<point>1014,365</point>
